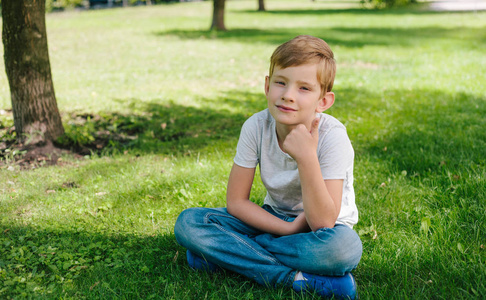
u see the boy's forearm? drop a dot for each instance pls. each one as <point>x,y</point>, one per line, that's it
<point>320,208</point>
<point>254,215</point>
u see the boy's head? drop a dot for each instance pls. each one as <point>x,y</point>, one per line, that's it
<point>306,49</point>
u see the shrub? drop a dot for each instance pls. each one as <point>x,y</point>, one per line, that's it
<point>386,3</point>
<point>62,4</point>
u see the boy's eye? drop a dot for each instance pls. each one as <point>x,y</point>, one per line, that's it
<point>280,82</point>
<point>305,88</point>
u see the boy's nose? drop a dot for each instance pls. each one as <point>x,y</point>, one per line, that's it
<point>288,96</point>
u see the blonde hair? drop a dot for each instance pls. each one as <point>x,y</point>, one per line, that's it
<point>305,49</point>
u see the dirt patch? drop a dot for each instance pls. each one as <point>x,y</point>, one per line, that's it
<point>85,134</point>
<point>31,156</point>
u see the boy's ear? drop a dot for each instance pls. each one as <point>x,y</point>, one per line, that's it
<point>267,85</point>
<point>325,102</point>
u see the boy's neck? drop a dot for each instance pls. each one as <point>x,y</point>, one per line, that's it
<point>282,132</point>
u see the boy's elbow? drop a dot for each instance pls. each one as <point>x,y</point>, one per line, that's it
<point>231,207</point>
<point>322,223</point>
<point>318,226</point>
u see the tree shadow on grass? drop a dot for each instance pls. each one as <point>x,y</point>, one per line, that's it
<point>82,263</point>
<point>168,127</point>
<point>418,9</point>
<point>433,140</point>
<point>429,130</point>
<point>351,37</point>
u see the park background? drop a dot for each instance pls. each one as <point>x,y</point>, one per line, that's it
<point>152,103</point>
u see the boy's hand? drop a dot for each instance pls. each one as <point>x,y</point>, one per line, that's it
<point>300,143</point>
<point>299,224</point>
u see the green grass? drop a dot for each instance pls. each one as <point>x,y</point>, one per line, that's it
<point>410,89</point>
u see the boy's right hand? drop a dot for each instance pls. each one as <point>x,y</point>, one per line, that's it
<point>299,224</point>
<point>301,143</point>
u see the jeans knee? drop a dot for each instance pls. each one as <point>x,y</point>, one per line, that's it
<point>184,224</point>
<point>339,253</point>
<point>345,259</point>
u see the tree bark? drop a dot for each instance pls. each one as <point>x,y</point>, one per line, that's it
<point>218,15</point>
<point>36,116</point>
<point>261,5</point>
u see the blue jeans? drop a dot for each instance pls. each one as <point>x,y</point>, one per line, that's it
<point>224,240</point>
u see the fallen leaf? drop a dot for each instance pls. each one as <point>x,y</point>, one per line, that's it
<point>50,191</point>
<point>94,285</point>
<point>101,193</point>
<point>175,257</point>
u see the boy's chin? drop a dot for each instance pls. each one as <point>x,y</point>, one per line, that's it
<point>290,121</point>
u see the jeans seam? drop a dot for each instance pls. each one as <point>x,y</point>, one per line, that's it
<point>209,214</point>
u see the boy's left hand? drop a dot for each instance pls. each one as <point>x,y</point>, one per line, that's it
<point>300,143</point>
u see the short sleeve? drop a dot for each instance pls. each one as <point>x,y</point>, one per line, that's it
<point>336,154</point>
<point>247,153</point>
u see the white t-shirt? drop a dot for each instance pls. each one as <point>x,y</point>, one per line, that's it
<point>258,145</point>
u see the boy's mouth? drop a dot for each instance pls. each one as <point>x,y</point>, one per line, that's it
<point>285,108</point>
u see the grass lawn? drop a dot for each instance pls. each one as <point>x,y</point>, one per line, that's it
<point>410,88</point>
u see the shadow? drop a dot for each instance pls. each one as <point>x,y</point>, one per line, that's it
<point>413,9</point>
<point>430,131</point>
<point>77,264</point>
<point>165,127</point>
<point>425,131</point>
<point>91,264</point>
<point>351,37</point>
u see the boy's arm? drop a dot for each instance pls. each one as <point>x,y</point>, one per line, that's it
<point>321,198</point>
<point>240,206</point>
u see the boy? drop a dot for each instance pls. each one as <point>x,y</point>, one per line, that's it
<point>302,236</point>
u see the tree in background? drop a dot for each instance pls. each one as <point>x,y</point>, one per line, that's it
<point>218,15</point>
<point>261,5</point>
<point>36,116</point>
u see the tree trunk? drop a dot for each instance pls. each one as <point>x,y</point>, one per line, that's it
<point>261,5</point>
<point>36,116</point>
<point>218,15</point>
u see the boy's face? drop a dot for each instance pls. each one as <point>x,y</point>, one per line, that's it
<point>294,95</point>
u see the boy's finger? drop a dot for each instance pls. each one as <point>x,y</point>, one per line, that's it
<point>314,128</point>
